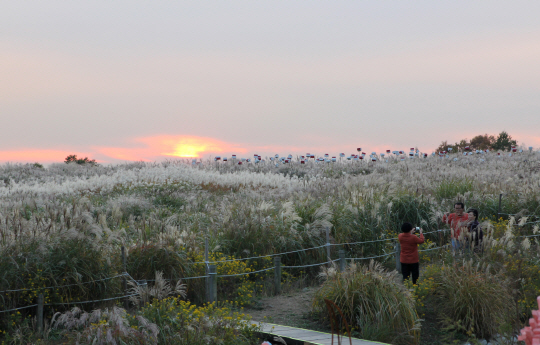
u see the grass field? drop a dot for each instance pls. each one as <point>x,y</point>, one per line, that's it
<point>66,224</point>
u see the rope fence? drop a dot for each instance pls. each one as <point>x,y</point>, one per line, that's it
<point>63,286</point>
<point>426,250</point>
<point>306,249</point>
<point>93,301</point>
<point>262,256</point>
<point>245,273</point>
<point>211,274</point>
<point>312,265</point>
<point>372,257</point>
<point>28,306</point>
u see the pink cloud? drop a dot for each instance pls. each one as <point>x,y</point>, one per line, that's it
<point>36,155</point>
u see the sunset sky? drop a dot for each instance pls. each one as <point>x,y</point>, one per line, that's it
<point>140,80</point>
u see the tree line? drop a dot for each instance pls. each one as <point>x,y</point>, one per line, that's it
<point>503,142</point>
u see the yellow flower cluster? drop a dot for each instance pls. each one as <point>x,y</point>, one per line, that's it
<point>219,322</point>
<point>239,290</point>
<point>423,288</point>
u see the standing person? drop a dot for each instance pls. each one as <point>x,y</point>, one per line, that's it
<point>409,251</point>
<point>456,221</point>
<point>477,236</point>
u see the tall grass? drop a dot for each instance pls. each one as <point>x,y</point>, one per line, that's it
<point>474,299</point>
<point>374,301</point>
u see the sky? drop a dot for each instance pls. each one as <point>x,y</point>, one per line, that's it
<point>139,80</point>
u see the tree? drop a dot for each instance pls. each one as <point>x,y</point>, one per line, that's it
<point>444,146</point>
<point>482,142</point>
<point>504,142</point>
<point>74,159</point>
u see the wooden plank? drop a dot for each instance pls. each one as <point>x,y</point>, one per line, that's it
<point>310,337</point>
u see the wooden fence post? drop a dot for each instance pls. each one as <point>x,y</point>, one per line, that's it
<point>328,245</point>
<point>124,265</point>
<point>206,271</point>
<point>212,285</point>
<point>277,275</point>
<point>499,209</point>
<point>342,263</point>
<point>40,313</point>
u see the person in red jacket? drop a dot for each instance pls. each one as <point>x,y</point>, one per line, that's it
<point>409,251</point>
<point>456,221</point>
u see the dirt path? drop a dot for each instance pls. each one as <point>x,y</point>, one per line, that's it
<point>289,309</point>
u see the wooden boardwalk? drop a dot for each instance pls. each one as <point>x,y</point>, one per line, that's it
<point>306,337</point>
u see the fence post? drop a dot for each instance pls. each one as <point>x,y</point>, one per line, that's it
<point>206,270</point>
<point>328,245</point>
<point>212,285</point>
<point>499,209</point>
<point>277,275</point>
<point>126,301</point>
<point>40,313</point>
<point>398,253</point>
<point>342,262</point>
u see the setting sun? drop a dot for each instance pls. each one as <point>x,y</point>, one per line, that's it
<point>186,146</point>
<point>182,150</point>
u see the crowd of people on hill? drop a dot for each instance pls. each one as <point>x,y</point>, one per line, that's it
<point>466,234</point>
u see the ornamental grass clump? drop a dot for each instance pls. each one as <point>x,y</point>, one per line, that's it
<point>473,299</point>
<point>374,302</point>
<point>161,289</point>
<point>105,326</point>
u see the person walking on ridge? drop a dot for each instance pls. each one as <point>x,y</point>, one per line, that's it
<point>456,221</point>
<point>409,251</point>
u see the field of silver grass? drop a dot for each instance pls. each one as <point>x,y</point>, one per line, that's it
<point>67,222</point>
<point>63,226</point>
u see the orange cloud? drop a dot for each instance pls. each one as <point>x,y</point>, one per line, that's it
<point>174,146</point>
<point>28,155</point>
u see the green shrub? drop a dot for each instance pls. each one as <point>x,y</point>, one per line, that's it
<point>32,266</point>
<point>473,299</point>
<point>373,300</point>
<point>144,261</point>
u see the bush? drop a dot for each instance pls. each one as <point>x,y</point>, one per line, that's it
<point>144,261</point>
<point>239,290</point>
<point>81,161</point>
<point>183,323</point>
<point>473,299</point>
<point>373,300</point>
<point>69,262</point>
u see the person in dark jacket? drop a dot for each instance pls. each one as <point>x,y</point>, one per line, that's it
<point>475,232</point>
<point>409,251</point>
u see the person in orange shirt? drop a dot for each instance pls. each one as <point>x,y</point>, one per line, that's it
<point>456,221</point>
<point>409,251</point>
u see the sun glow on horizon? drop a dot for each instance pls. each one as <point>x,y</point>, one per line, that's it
<point>188,151</point>
<point>177,146</point>
<point>189,147</point>
<point>159,147</point>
